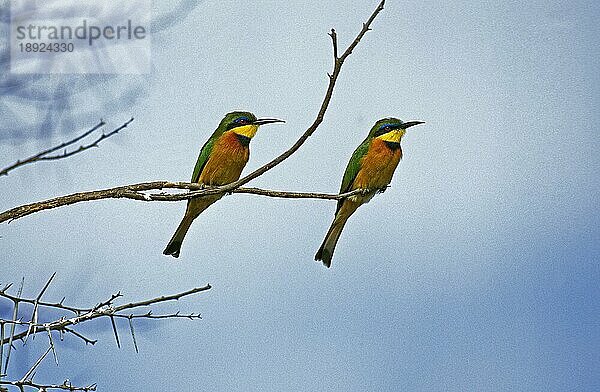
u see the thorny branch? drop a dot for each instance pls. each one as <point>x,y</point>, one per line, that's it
<point>20,330</point>
<point>135,191</point>
<point>45,155</point>
<point>105,309</point>
<point>65,386</point>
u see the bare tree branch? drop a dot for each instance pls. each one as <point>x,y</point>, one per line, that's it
<point>149,315</point>
<point>58,305</point>
<point>104,309</point>
<point>135,191</point>
<point>64,325</point>
<point>80,336</point>
<point>45,155</point>
<point>66,386</point>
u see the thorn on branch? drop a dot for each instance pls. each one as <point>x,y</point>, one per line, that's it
<point>35,366</point>
<point>133,333</point>
<point>16,300</point>
<point>114,326</point>
<point>52,345</point>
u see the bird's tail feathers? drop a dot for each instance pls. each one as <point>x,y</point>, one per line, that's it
<point>174,246</point>
<point>194,208</point>
<point>325,252</point>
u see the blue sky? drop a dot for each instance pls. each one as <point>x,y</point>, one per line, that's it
<point>477,270</point>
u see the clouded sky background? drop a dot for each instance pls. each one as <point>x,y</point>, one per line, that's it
<point>477,270</point>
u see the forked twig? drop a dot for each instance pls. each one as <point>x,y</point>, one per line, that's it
<point>45,155</point>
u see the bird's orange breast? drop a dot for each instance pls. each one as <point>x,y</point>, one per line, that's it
<point>377,166</point>
<point>226,162</point>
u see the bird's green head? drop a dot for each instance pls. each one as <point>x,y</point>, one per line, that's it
<point>244,123</point>
<point>391,129</point>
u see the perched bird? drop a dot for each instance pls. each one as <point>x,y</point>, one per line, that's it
<point>221,161</point>
<point>370,168</point>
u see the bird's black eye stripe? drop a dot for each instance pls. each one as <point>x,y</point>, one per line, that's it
<point>238,122</point>
<point>385,128</point>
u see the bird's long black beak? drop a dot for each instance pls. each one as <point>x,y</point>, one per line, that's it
<point>409,124</point>
<point>263,121</point>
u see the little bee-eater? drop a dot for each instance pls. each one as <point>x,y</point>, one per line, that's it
<point>371,168</point>
<point>221,161</point>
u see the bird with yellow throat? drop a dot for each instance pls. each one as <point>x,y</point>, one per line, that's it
<point>221,161</point>
<point>371,168</point>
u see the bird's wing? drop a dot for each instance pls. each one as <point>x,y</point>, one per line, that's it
<point>203,158</point>
<point>352,169</point>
